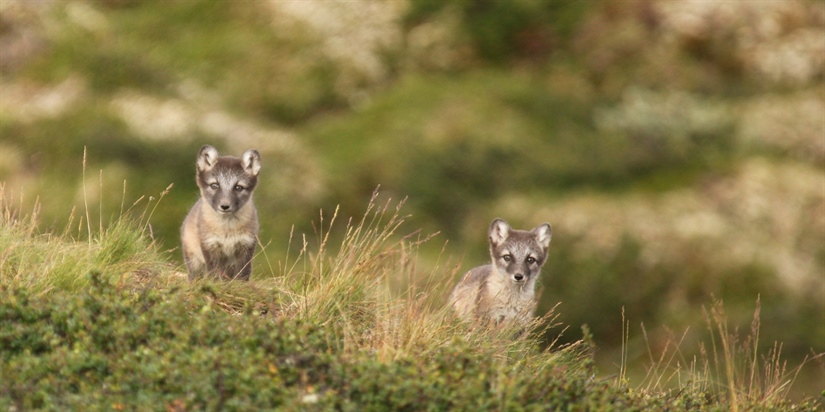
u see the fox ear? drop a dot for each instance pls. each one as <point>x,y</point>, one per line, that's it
<point>499,231</point>
<point>543,233</point>
<point>251,161</point>
<point>207,157</point>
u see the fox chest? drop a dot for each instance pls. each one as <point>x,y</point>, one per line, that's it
<point>505,305</point>
<point>511,307</point>
<point>228,246</point>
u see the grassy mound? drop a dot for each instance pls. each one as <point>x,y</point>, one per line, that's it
<point>104,321</point>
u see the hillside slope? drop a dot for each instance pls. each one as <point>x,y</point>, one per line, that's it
<point>106,323</point>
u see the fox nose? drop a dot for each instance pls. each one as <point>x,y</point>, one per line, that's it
<point>518,276</point>
<point>224,207</point>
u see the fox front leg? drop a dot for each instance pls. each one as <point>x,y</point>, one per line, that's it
<point>245,263</point>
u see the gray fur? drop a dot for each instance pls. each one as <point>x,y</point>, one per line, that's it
<point>219,233</point>
<point>505,289</point>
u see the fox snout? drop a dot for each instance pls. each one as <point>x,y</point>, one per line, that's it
<point>516,272</point>
<point>225,203</point>
<point>224,208</point>
<point>520,274</point>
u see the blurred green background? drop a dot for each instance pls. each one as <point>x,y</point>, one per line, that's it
<point>677,147</point>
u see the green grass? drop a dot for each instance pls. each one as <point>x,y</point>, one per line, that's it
<point>46,263</point>
<point>97,318</point>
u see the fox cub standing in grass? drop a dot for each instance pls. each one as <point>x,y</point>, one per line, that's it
<point>504,290</point>
<point>220,232</point>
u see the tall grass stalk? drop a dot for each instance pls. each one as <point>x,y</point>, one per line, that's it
<point>86,200</point>
<point>747,379</point>
<point>733,373</point>
<point>47,262</point>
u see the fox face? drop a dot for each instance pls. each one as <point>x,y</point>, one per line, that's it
<point>519,254</point>
<point>227,182</point>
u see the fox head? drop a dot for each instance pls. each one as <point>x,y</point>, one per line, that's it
<point>519,254</point>
<point>227,182</point>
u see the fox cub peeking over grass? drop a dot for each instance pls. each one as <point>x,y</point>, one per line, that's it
<point>220,232</point>
<point>504,290</point>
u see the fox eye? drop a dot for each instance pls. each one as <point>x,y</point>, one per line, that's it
<point>238,188</point>
<point>215,186</point>
<point>531,260</point>
<point>507,258</point>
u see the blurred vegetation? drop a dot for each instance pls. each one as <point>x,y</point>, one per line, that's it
<point>676,147</point>
<point>502,31</point>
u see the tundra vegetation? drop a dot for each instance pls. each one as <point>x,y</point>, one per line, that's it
<point>676,148</point>
<point>107,322</point>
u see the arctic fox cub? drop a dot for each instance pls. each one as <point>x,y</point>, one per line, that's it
<point>505,289</point>
<point>220,232</point>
